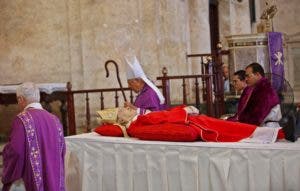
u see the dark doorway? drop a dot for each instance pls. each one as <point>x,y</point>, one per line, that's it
<point>214,24</point>
<point>252,11</point>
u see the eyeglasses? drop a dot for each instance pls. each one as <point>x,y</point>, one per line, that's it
<point>234,82</point>
<point>248,75</point>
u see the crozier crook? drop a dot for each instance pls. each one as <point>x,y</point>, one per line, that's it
<point>118,77</point>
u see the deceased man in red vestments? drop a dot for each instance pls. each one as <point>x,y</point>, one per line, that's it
<point>167,124</point>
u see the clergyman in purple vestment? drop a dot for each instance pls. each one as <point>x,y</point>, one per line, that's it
<point>149,97</point>
<point>36,148</point>
<point>240,86</point>
<point>258,98</point>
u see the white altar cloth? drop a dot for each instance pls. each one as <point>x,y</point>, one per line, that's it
<point>43,87</point>
<point>97,163</point>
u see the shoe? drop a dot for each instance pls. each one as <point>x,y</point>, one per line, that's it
<point>288,124</point>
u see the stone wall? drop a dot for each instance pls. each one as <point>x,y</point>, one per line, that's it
<point>33,42</point>
<point>70,40</point>
<point>234,19</point>
<point>287,20</point>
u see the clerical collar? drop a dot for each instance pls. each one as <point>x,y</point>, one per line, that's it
<point>34,106</point>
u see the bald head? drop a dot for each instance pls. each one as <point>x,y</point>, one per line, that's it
<point>225,71</point>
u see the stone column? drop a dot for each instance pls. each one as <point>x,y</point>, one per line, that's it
<point>292,74</point>
<point>245,49</point>
<point>234,18</point>
<point>199,30</point>
<point>163,36</point>
<point>75,43</point>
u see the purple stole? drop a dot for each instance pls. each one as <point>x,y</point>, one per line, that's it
<point>244,100</point>
<point>34,150</point>
<point>276,59</point>
<point>242,103</point>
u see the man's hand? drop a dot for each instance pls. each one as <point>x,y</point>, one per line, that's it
<point>130,105</point>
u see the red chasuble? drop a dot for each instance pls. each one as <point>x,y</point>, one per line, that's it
<point>207,128</point>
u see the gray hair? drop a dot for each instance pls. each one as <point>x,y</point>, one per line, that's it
<point>29,91</point>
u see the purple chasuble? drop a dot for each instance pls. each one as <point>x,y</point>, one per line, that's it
<point>242,103</point>
<point>254,109</point>
<point>147,99</point>
<point>35,152</point>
